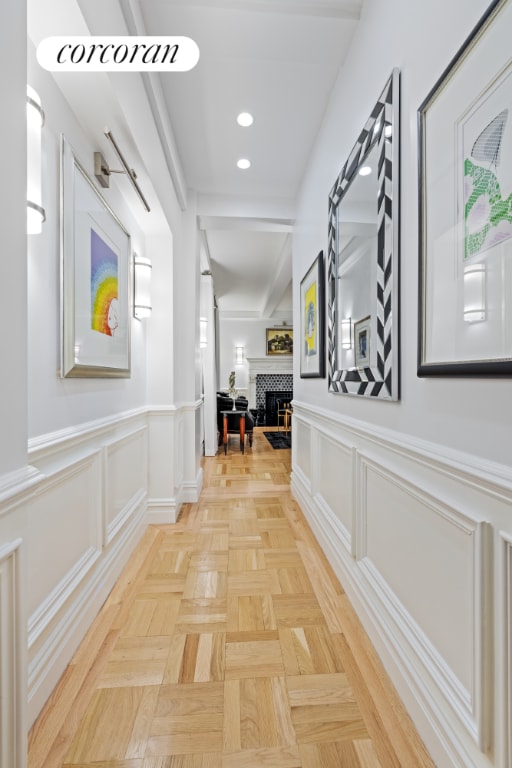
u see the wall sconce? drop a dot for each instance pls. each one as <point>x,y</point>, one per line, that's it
<point>203,332</point>
<point>474,293</point>
<point>346,333</point>
<point>141,287</point>
<point>239,355</point>
<point>35,121</point>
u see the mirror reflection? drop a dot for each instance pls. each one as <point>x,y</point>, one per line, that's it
<point>363,259</point>
<point>357,266</point>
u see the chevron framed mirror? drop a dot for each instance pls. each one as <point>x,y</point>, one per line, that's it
<point>363,259</point>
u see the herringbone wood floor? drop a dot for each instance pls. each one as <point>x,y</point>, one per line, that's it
<point>228,643</point>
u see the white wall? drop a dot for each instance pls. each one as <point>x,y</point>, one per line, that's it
<point>456,414</point>
<point>417,523</point>
<point>56,403</point>
<point>13,295</point>
<point>14,471</point>
<point>242,332</point>
<point>85,464</point>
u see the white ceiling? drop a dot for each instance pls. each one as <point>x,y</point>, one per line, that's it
<point>277,59</point>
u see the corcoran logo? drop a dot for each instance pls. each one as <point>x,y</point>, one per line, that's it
<point>118,54</point>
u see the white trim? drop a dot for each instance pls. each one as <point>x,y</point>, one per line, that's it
<point>335,9</point>
<point>13,751</point>
<point>69,437</point>
<point>162,511</point>
<point>65,634</point>
<point>447,745</point>
<point>494,478</point>
<point>17,483</point>
<point>191,491</point>
<point>454,714</point>
<point>504,651</point>
<point>56,600</point>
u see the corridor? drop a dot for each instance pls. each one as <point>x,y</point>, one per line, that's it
<point>227,643</point>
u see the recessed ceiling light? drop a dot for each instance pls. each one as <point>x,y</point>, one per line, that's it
<point>243,163</point>
<point>365,170</point>
<point>245,119</point>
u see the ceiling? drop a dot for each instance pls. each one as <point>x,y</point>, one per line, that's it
<point>277,59</point>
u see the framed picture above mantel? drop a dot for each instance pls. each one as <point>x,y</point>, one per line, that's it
<point>279,341</point>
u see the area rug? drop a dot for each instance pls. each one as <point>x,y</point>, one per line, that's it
<point>279,439</point>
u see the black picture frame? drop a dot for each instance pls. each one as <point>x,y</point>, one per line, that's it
<point>312,321</point>
<point>465,264</point>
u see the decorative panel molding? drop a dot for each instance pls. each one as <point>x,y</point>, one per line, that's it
<point>302,448</point>
<point>505,658</point>
<point>84,518</point>
<point>334,482</point>
<point>12,659</point>
<point>64,538</point>
<point>425,574</point>
<point>163,506</point>
<point>429,560</point>
<point>125,470</point>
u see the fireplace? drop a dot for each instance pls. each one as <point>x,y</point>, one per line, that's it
<point>269,374</point>
<point>273,401</point>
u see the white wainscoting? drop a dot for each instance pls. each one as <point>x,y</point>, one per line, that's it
<point>80,507</point>
<point>504,654</point>
<point>12,659</point>
<point>84,519</point>
<point>410,530</point>
<point>174,477</point>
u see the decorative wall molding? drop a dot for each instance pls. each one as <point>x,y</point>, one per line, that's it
<point>163,511</point>
<point>192,490</point>
<point>504,661</point>
<point>271,364</point>
<point>15,485</point>
<point>51,653</point>
<point>477,473</point>
<point>12,659</point>
<point>84,517</point>
<point>124,464</point>
<point>43,446</point>
<point>445,674</point>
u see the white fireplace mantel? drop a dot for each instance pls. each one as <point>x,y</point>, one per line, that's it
<point>266,365</point>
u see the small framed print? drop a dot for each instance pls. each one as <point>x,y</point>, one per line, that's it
<point>362,342</point>
<point>312,357</point>
<point>279,341</point>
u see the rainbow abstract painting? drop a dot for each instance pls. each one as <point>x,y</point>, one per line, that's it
<point>104,287</point>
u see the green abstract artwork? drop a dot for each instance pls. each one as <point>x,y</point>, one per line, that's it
<point>487,216</point>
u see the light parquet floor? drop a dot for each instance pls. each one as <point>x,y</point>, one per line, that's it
<point>228,643</point>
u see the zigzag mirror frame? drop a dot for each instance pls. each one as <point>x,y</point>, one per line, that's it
<point>363,259</point>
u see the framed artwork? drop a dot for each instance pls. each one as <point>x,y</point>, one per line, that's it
<point>312,319</point>
<point>279,341</point>
<point>465,208</point>
<point>362,342</point>
<point>95,271</point>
